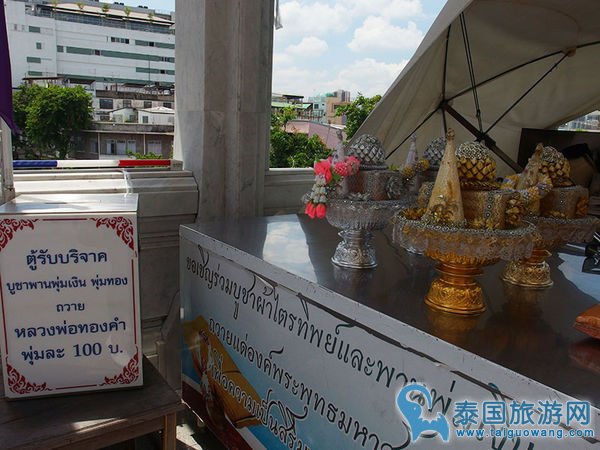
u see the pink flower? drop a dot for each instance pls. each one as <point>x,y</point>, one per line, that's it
<point>321,209</point>
<point>342,169</point>
<point>347,167</point>
<point>310,210</point>
<point>354,164</point>
<point>323,167</point>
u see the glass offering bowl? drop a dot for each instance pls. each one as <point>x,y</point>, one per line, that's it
<point>534,271</point>
<point>461,252</point>
<point>357,219</point>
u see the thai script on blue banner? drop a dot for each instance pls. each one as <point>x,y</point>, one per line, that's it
<point>264,301</point>
<point>313,401</point>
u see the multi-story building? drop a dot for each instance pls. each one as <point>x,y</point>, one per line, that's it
<point>124,56</point>
<point>325,106</point>
<point>321,108</point>
<point>333,101</point>
<point>87,42</point>
<point>124,96</point>
<point>589,122</point>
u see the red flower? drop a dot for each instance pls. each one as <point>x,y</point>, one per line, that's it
<point>323,167</point>
<point>321,209</point>
<point>310,210</point>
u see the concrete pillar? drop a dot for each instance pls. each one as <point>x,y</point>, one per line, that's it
<point>223,59</point>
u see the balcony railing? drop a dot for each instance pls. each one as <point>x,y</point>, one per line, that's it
<point>100,21</point>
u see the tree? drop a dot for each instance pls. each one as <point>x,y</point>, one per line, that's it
<point>127,10</point>
<point>105,8</point>
<point>22,147</point>
<point>356,112</point>
<point>293,149</point>
<point>49,118</point>
<point>80,5</point>
<point>282,117</point>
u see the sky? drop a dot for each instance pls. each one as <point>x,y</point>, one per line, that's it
<point>357,45</point>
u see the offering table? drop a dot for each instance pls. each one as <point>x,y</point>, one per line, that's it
<point>284,348</point>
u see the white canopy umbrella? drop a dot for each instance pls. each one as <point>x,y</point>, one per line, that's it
<point>489,68</point>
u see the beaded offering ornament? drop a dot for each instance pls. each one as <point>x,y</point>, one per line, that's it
<point>413,165</point>
<point>409,171</point>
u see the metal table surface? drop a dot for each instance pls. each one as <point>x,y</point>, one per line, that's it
<point>527,331</point>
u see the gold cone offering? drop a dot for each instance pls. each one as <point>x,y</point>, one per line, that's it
<point>445,204</point>
<point>441,233</point>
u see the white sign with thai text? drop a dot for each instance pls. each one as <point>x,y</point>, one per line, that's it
<point>70,303</point>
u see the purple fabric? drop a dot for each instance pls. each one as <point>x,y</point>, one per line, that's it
<point>6,106</point>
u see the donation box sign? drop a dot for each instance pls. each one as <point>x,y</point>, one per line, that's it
<point>69,296</point>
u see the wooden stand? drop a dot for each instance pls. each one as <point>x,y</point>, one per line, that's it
<point>91,421</point>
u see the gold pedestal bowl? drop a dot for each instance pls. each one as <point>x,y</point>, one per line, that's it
<point>534,271</point>
<point>462,253</point>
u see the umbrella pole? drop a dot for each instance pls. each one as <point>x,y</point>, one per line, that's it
<point>489,142</point>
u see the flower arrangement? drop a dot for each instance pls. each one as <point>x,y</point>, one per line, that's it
<point>328,175</point>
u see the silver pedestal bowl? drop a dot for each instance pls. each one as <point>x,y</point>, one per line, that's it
<point>357,219</point>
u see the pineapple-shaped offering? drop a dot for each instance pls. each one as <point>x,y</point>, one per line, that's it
<point>565,200</point>
<point>556,166</point>
<point>434,152</point>
<point>476,167</point>
<point>486,206</point>
<point>374,181</point>
<point>369,151</point>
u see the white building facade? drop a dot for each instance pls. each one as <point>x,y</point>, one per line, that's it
<point>88,43</point>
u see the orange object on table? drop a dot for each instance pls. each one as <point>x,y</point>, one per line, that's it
<point>588,322</point>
